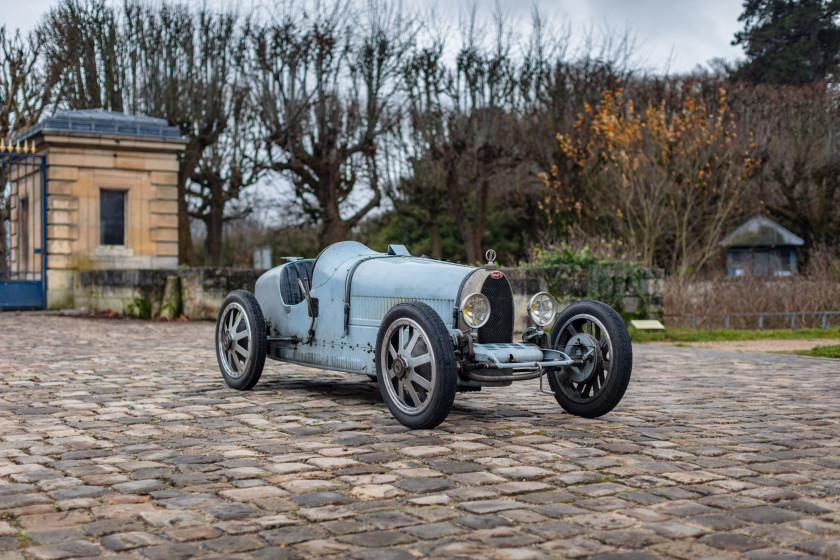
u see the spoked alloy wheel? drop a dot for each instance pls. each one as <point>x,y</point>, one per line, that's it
<point>235,341</point>
<point>584,337</point>
<point>410,367</point>
<point>594,333</point>
<point>240,340</point>
<point>415,367</point>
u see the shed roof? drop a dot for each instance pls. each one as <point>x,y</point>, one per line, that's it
<point>761,231</point>
<point>99,121</point>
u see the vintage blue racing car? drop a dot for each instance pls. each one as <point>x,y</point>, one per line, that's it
<point>424,329</point>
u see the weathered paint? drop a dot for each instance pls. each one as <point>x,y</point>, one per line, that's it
<point>369,310</point>
<point>379,283</point>
<point>508,353</point>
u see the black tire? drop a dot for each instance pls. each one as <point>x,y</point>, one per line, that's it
<point>415,365</point>
<point>595,388</point>
<point>240,319</point>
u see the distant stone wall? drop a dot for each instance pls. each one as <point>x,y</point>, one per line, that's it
<point>634,297</point>
<point>198,293</point>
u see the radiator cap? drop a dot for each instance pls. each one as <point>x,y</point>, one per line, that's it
<point>490,255</point>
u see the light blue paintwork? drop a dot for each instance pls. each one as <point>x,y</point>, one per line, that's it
<point>379,282</point>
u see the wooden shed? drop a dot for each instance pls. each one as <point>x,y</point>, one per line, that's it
<point>761,247</point>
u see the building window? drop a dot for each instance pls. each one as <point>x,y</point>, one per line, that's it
<point>111,217</point>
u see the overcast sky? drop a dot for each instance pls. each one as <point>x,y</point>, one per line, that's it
<point>684,33</point>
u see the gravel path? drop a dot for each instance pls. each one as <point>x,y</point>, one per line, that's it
<point>791,345</point>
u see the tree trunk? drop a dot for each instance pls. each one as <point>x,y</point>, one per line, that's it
<point>434,231</point>
<point>481,218</point>
<point>333,230</point>
<point>215,230</point>
<point>457,210</point>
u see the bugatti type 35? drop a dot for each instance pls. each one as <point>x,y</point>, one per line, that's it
<point>424,329</point>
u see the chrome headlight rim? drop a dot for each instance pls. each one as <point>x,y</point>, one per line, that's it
<point>532,315</point>
<point>463,309</point>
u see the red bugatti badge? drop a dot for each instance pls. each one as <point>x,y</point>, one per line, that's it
<point>496,274</point>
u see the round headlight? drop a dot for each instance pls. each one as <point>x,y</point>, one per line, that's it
<point>541,309</point>
<point>476,310</point>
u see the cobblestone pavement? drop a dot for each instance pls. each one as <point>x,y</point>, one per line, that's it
<point>119,439</point>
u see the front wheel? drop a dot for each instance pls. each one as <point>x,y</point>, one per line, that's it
<point>240,340</point>
<point>595,333</point>
<point>415,365</point>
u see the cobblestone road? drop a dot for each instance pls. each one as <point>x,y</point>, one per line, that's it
<point>119,439</point>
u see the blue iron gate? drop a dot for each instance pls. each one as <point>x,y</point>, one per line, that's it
<point>23,230</point>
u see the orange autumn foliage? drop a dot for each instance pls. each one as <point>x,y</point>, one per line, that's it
<point>667,179</point>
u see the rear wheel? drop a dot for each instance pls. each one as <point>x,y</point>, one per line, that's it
<point>415,365</point>
<point>240,340</point>
<point>594,332</point>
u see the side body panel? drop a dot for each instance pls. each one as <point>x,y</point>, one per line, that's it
<point>379,285</point>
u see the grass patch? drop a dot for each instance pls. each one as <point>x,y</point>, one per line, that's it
<point>13,521</point>
<point>23,540</point>
<point>697,335</point>
<point>823,352</point>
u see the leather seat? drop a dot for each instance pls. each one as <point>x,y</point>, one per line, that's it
<point>289,287</point>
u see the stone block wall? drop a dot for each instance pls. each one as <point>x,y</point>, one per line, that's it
<point>198,292</point>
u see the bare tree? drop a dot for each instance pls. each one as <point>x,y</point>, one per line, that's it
<point>225,169</point>
<point>170,61</point>
<point>418,193</point>
<point>798,147</point>
<point>417,187</point>
<point>327,81</point>
<point>558,91</point>
<point>189,67</point>
<point>479,128</point>
<point>461,134</point>
<point>83,45</point>
<point>26,89</point>
<point>486,124</point>
<point>713,168</point>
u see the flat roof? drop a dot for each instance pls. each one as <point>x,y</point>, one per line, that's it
<point>99,121</point>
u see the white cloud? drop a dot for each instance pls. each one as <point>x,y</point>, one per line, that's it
<point>23,15</point>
